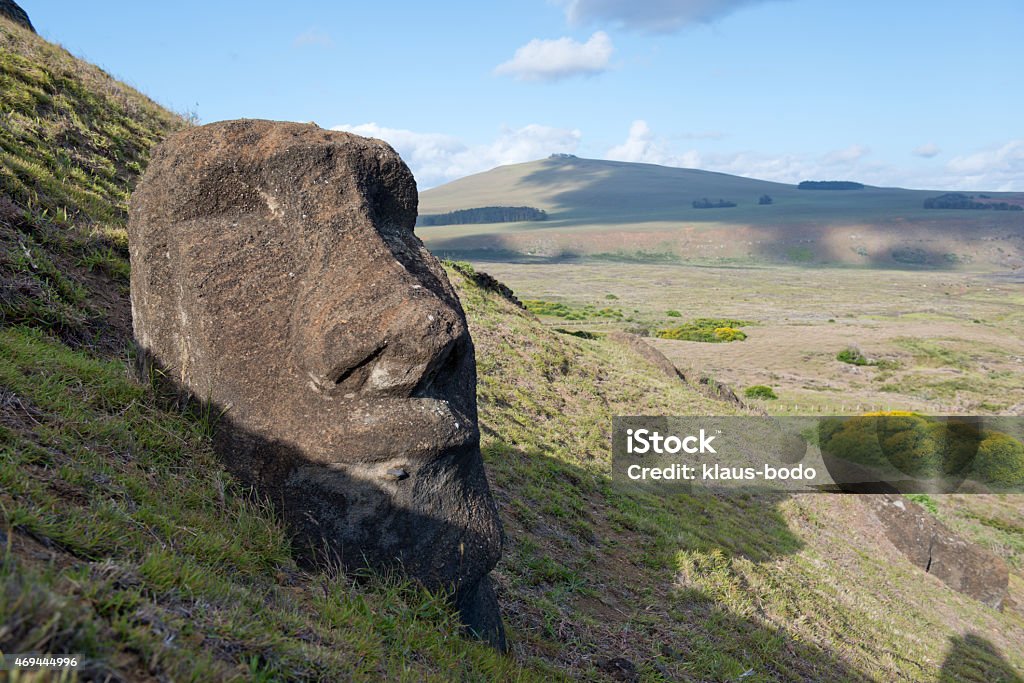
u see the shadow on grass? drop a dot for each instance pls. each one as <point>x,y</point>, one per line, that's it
<point>774,248</point>
<point>972,658</point>
<point>610,573</point>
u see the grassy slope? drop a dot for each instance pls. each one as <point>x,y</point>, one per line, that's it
<point>604,207</point>
<point>122,538</point>
<point>71,142</point>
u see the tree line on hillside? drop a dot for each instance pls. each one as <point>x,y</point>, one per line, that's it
<point>484,214</point>
<point>706,203</point>
<point>959,200</point>
<point>830,185</point>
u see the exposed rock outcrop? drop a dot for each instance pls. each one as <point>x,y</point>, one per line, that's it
<point>275,273</point>
<point>487,282</point>
<point>649,353</point>
<point>707,386</point>
<point>933,547</point>
<point>10,10</point>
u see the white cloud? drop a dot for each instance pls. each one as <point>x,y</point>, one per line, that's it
<point>313,37</point>
<point>658,16</point>
<point>436,158</point>
<point>996,168</point>
<point>927,150</point>
<point>642,147</point>
<point>845,156</point>
<point>553,60</point>
<point>999,168</point>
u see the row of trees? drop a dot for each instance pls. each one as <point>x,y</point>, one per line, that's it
<point>830,185</point>
<point>959,200</point>
<point>706,203</point>
<point>485,214</point>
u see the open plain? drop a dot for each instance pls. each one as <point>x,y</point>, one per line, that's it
<point>941,342</point>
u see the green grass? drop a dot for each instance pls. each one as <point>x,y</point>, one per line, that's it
<point>72,142</point>
<point>727,581</point>
<point>925,501</point>
<point>555,309</point>
<point>935,353</point>
<point>153,540</point>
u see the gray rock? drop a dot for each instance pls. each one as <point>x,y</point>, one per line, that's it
<point>11,10</point>
<point>275,274</point>
<point>933,547</point>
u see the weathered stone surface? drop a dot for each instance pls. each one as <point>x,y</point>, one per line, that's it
<point>648,352</point>
<point>933,547</point>
<point>275,273</point>
<point>11,10</point>
<point>705,385</point>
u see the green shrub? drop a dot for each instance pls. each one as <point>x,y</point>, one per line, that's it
<point>1000,460</point>
<point>674,314</point>
<point>728,334</point>
<point>853,356</point>
<point>610,296</point>
<point>706,330</point>
<point>760,391</point>
<point>921,446</point>
<point>925,501</point>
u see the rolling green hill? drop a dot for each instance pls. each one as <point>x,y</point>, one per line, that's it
<point>634,211</point>
<point>125,541</point>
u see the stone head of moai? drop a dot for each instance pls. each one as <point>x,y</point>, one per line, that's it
<point>275,274</point>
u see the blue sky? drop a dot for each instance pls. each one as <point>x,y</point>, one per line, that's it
<point>910,93</point>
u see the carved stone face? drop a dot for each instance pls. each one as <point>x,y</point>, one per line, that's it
<point>275,273</point>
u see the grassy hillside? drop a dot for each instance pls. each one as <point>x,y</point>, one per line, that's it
<point>72,141</point>
<point>631,211</point>
<point>124,540</point>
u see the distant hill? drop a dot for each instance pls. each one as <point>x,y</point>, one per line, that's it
<point>617,209</point>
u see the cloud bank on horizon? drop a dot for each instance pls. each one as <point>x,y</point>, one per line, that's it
<point>437,158</point>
